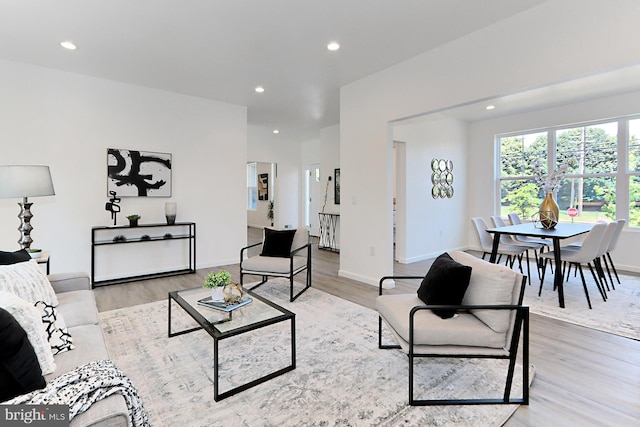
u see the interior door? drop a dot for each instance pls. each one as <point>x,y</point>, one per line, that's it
<point>315,198</point>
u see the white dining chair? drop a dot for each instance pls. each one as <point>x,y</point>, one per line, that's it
<point>611,248</point>
<point>585,255</point>
<point>512,252</point>
<point>507,239</point>
<point>607,236</point>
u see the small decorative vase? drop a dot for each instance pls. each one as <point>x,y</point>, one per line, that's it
<point>549,212</point>
<point>133,223</point>
<point>217,294</point>
<point>170,212</point>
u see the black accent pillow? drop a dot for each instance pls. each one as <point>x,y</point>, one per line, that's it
<point>277,243</point>
<point>20,371</point>
<point>445,284</point>
<point>7,258</point>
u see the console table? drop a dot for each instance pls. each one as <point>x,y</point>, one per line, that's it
<point>143,235</point>
<point>328,224</point>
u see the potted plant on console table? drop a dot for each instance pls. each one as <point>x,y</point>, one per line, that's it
<point>133,220</point>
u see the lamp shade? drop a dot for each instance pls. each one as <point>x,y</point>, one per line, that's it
<point>25,181</point>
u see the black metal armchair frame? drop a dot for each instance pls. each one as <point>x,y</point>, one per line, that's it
<point>290,274</point>
<point>521,327</point>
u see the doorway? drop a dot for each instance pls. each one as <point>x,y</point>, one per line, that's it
<point>313,199</point>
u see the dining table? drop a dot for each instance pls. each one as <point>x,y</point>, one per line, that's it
<point>560,232</point>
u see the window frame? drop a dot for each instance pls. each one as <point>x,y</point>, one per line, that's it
<point>622,175</point>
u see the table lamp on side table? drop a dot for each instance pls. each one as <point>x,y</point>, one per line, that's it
<point>20,181</point>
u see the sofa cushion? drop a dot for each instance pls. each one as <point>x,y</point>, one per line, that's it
<point>429,329</point>
<point>19,368</point>
<point>277,243</point>
<point>90,347</point>
<point>7,258</point>
<point>78,308</point>
<point>30,319</point>
<point>273,265</point>
<point>491,284</point>
<point>445,284</point>
<point>27,280</point>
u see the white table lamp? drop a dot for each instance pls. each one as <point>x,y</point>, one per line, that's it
<point>20,181</point>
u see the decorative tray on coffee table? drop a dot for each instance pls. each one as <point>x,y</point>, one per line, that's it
<point>222,306</point>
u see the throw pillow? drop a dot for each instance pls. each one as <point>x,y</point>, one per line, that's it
<point>28,281</point>
<point>445,284</point>
<point>30,319</point>
<point>19,368</point>
<point>7,258</point>
<point>55,328</point>
<point>277,243</point>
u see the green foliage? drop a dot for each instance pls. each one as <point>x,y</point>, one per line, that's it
<point>216,280</point>
<point>523,199</point>
<point>133,217</point>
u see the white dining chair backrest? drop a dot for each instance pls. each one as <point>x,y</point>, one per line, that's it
<point>609,231</point>
<point>589,250</point>
<point>486,240</point>
<point>514,218</point>
<point>505,239</point>
<point>616,235</point>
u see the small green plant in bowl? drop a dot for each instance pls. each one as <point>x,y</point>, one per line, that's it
<point>34,252</point>
<point>145,237</point>
<point>133,220</point>
<point>217,280</point>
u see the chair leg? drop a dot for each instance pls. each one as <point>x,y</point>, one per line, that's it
<point>584,284</point>
<point>606,264</point>
<point>614,267</point>
<point>598,283</point>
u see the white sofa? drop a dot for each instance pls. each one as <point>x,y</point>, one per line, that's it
<point>78,308</point>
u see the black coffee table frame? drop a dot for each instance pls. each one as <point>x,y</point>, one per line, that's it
<point>218,335</point>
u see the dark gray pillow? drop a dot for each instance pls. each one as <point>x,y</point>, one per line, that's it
<point>445,284</point>
<point>7,258</point>
<point>20,371</point>
<point>277,243</point>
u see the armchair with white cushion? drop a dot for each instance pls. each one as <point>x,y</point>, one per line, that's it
<point>284,253</point>
<point>464,308</point>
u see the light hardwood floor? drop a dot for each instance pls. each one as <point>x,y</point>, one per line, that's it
<point>583,377</point>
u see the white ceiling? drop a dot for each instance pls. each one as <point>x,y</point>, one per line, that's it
<point>222,49</point>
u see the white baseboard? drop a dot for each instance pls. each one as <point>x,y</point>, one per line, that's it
<point>357,277</point>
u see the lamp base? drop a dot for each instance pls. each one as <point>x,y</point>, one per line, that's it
<point>25,224</point>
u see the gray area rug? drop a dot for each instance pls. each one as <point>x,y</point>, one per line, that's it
<point>619,315</point>
<point>341,379</point>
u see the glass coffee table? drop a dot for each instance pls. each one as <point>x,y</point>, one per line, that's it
<point>220,325</point>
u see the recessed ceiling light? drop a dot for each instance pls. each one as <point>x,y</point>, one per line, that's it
<point>333,46</point>
<point>276,131</point>
<point>68,45</point>
<point>490,107</point>
<point>259,89</point>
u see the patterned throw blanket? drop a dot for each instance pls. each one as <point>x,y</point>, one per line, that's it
<point>88,384</point>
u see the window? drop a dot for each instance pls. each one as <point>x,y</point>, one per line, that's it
<point>252,186</point>
<point>595,176</point>
<point>633,162</point>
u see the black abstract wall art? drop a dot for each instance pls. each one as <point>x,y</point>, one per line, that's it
<point>138,173</point>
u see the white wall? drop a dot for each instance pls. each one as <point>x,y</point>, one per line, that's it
<point>483,151</point>
<point>68,121</point>
<point>529,50</point>
<point>431,226</point>
<point>264,146</point>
